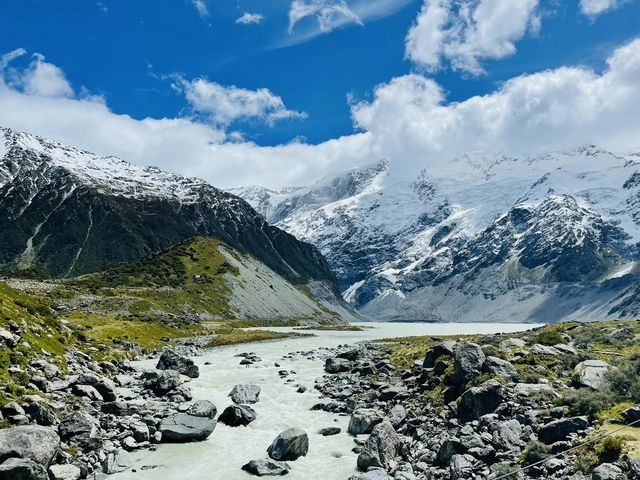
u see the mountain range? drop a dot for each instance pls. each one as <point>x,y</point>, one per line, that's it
<point>483,237</point>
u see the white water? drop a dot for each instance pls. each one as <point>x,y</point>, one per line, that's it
<point>280,407</point>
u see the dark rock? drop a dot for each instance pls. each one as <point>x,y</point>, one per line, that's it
<point>163,382</point>
<point>104,386</point>
<point>498,367</point>
<point>329,431</point>
<point>444,349</point>
<point>448,449</point>
<point>182,428</point>
<point>237,415</point>
<point>169,360</point>
<point>33,442</point>
<point>560,430</point>
<point>22,469</point>
<point>631,414</point>
<point>243,394</point>
<point>381,448</point>
<point>289,445</point>
<point>119,409</point>
<point>461,467</point>
<point>468,361</point>
<point>40,414</point>
<point>363,420</point>
<point>81,429</point>
<point>266,467</point>
<point>337,365</point>
<point>479,401</point>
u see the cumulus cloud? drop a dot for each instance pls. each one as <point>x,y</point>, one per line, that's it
<point>329,14</point>
<point>201,7</point>
<point>250,19</point>
<point>408,121</point>
<point>45,79</point>
<point>595,8</point>
<point>224,105</point>
<point>466,32</point>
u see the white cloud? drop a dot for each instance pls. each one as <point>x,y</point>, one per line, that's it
<point>102,7</point>
<point>250,19</point>
<point>408,121</point>
<point>224,105</point>
<point>201,7</point>
<point>466,32</point>
<point>45,79</point>
<point>329,14</point>
<point>9,57</point>
<point>595,8</point>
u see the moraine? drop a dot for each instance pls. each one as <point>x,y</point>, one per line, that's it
<point>279,408</point>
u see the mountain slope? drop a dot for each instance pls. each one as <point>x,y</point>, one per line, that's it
<point>66,212</point>
<point>482,237</point>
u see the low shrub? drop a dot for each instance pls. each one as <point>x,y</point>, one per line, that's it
<point>625,379</point>
<point>550,337</point>
<point>588,402</point>
<point>535,452</point>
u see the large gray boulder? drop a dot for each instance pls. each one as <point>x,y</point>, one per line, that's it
<point>337,365</point>
<point>170,360</point>
<point>182,428</point>
<point>560,430</point>
<point>481,400</point>
<point>237,415</point>
<point>461,467</point>
<point>266,467</point>
<point>501,368</point>
<point>81,429</point>
<point>33,442</point>
<point>203,408</point>
<point>243,394</point>
<point>289,445</point>
<point>468,361</point>
<point>165,382</point>
<point>22,469</point>
<point>592,374</point>
<point>507,434</point>
<point>381,448</point>
<point>607,471</point>
<point>444,349</point>
<point>105,387</point>
<point>117,461</point>
<point>363,420</point>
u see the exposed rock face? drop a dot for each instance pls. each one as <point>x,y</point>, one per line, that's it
<point>122,212</point>
<point>266,467</point>
<point>203,408</point>
<point>498,367</point>
<point>289,445</point>
<point>607,471</point>
<point>22,469</point>
<point>32,442</point>
<point>237,415</point>
<point>337,365</point>
<point>182,428</point>
<point>381,448</point>
<point>468,361</point>
<point>80,428</point>
<point>592,374</point>
<point>561,429</point>
<point>243,394</point>
<point>104,386</point>
<point>169,360</point>
<point>479,401</point>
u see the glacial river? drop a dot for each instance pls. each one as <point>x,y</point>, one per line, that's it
<point>280,407</point>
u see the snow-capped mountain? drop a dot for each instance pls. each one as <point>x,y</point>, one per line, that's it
<point>65,212</point>
<point>483,237</point>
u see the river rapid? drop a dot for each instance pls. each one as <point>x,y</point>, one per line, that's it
<point>280,407</point>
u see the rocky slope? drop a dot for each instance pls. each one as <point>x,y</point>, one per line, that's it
<point>540,238</point>
<point>66,212</point>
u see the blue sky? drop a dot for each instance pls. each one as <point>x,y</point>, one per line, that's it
<point>142,57</point>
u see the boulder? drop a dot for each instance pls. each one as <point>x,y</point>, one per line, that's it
<point>289,445</point>
<point>481,400</point>
<point>376,474</point>
<point>203,408</point>
<point>64,472</point>
<point>507,434</point>
<point>182,428</point>
<point>40,414</point>
<point>560,430</point>
<point>592,374</point>
<point>512,343</point>
<point>363,420</point>
<point>444,349</point>
<point>381,448</point>
<point>237,415</point>
<point>337,365</point>
<point>22,469</point>
<point>607,471</point>
<point>104,386</point>
<point>117,461</point>
<point>468,361</point>
<point>140,431</point>
<point>81,429</point>
<point>501,368</point>
<point>32,442</point>
<point>169,360</point>
<point>266,467</point>
<point>397,415</point>
<point>461,467</point>
<point>538,390</point>
<point>330,431</point>
<point>243,394</point>
<point>87,391</point>
<point>448,449</point>
<point>631,414</point>
<point>165,382</point>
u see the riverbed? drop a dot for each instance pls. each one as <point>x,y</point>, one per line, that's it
<point>280,407</point>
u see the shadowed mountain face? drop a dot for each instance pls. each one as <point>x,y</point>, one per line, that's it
<point>66,212</point>
<point>483,237</point>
